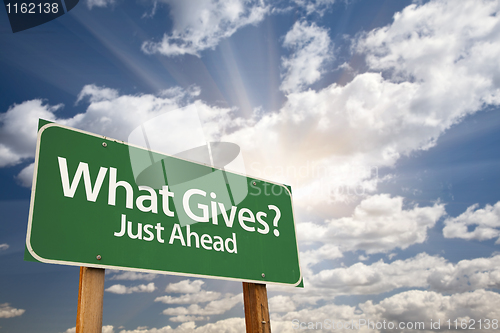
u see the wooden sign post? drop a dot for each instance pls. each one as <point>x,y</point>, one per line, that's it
<point>90,298</point>
<point>256,308</point>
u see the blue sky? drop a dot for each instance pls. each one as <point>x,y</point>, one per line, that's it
<point>396,100</point>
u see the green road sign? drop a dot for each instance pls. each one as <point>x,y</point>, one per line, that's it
<point>100,202</point>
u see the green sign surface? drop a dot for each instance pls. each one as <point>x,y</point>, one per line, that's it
<point>99,202</point>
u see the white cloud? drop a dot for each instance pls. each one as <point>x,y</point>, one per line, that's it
<point>18,130</point>
<point>311,50</point>
<point>97,94</point>
<point>184,318</point>
<point>108,329</point>
<point>310,258</point>
<point>132,276</point>
<point>116,116</point>
<point>216,307</point>
<point>186,327</point>
<point>6,311</point>
<point>230,325</point>
<point>449,51</point>
<point>440,42</point>
<point>364,258</point>
<point>412,306</point>
<point>121,289</point>
<point>198,297</point>
<point>185,287</point>
<point>486,222</point>
<point>25,177</point>
<point>281,303</point>
<point>378,224</point>
<point>422,306</point>
<point>466,275</point>
<point>378,277</point>
<point>200,25</point>
<point>99,3</point>
<point>108,114</point>
<point>192,295</point>
<point>283,323</point>
<point>4,246</point>
<point>422,271</point>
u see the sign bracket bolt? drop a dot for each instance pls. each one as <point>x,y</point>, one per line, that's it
<point>104,144</point>
<point>98,257</point>
<point>263,275</point>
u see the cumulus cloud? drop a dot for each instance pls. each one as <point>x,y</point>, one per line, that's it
<point>283,323</point>
<point>116,115</point>
<point>108,113</point>
<point>422,306</point>
<point>230,325</point>
<point>193,294</point>
<point>378,277</point>
<point>18,130</point>
<point>486,223</point>
<point>421,271</point>
<point>6,311</point>
<point>132,276</point>
<point>466,275</point>
<point>414,306</point>
<point>441,42</point>
<point>200,25</point>
<point>121,289</point>
<point>108,329</point>
<point>97,94</point>
<point>378,224</point>
<point>4,246</point>
<point>311,49</point>
<point>185,286</point>
<point>216,307</point>
<point>281,303</point>
<point>197,297</point>
<point>447,50</point>
<point>25,177</point>
<point>184,318</point>
<point>310,258</point>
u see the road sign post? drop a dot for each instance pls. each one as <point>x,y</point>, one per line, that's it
<point>90,300</point>
<point>256,308</point>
